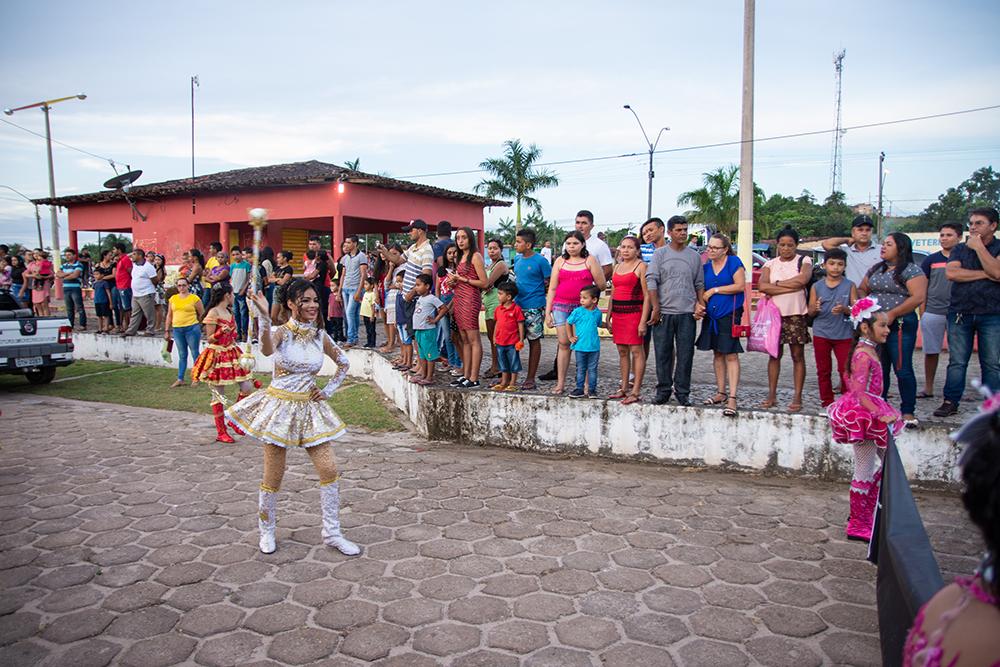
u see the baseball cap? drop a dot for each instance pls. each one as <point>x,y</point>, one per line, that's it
<point>863,221</point>
<point>416,224</point>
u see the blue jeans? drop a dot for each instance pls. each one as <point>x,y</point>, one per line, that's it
<point>586,369</point>
<point>674,330</point>
<point>187,340</point>
<point>898,353</point>
<point>962,328</point>
<point>352,313</point>
<point>73,298</point>
<point>241,314</point>
<point>445,343</point>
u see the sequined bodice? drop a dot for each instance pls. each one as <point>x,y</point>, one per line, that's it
<point>298,357</point>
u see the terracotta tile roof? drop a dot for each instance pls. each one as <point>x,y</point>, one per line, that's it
<point>312,172</point>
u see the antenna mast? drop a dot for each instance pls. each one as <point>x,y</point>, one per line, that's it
<point>837,163</point>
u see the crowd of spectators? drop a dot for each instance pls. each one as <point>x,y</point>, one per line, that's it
<point>658,288</point>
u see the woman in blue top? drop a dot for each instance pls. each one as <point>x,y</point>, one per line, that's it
<point>722,304</point>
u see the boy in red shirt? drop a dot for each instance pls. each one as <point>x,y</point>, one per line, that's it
<point>509,336</point>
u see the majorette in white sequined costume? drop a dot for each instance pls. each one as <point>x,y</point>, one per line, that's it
<point>285,415</point>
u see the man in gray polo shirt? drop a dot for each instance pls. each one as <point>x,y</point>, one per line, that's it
<point>676,277</point>
<point>862,254</point>
<point>355,270</point>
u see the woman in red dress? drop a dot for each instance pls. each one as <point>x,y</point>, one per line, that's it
<point>468,282</point>
<point>628,311</point>
<point>218,365</point>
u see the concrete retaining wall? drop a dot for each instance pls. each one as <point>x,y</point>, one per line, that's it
<point>756,441</point>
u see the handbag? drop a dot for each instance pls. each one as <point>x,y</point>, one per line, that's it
<point>742,330</point>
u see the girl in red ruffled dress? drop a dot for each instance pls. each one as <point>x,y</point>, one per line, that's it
<point>218,365</point>
<point>861,417</point>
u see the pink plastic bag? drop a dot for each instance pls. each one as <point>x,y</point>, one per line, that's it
<point>765,332</point>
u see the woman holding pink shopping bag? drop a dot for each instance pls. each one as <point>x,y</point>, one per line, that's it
<point>784,280</point>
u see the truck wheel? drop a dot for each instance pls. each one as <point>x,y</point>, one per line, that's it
<point>44,376</point>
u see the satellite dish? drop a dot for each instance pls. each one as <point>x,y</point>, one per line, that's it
<point>123,182</point>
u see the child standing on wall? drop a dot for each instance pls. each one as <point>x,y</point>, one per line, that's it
<point>830,302</point>
<point>405,360</point>
<point>426,314</point>
<point>508,335</point>
<point>862,418</point>
<point>583,324</point>
<point>367,312</point>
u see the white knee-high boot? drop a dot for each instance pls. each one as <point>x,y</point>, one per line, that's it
<point>330,502</point>
<point>267,519</point>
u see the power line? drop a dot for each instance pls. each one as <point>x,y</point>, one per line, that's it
<point>721,144</point>
<point>65,145</point>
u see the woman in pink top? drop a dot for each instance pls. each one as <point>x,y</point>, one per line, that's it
<point>784,279</point>
<point>572,271</point>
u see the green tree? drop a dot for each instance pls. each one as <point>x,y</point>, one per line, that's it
<point>980,189</point>
<point>515,176</point>
<point>718,200</point>
<point>353,165</point>
<point>107,243</point>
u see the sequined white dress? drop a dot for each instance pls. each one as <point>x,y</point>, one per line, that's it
<point>283,414</point>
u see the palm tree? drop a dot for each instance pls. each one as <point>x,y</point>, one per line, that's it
<point>514,176</point>
<point>718,202</point>
<point>353,165</point>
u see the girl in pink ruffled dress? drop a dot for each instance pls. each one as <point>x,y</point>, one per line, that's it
<point>862,418</point>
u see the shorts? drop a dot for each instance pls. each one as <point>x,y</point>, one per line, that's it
<point>125,298</point>
<point>932,328</point>
<point>559,317</point>
<point>407,316</point>
<point>491,301</point>
<point>534,323</point>
<point>102,309</point>
<point>390,314</point>
<point>508,359</point>
<point>427,342</point>
<point>794,330</point>
<point>404,335</point>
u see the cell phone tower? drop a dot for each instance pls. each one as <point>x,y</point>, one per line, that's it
<point>837,163</point>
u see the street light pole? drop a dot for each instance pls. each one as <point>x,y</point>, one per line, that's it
<point>45,106</point>
<point>652,150</point>
<point>745,224</point>
<point>38,216</point>
<point>881,183</point>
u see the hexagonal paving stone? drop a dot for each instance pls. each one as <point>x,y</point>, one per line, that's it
<point>17,626</point>
<point>791,621</point>
<point>446,639</point>
<point>88,653</point>
<point>69,599</point>
<point>849,648</point>
<point>625,579</point>
<point>555,656</point>
<point>568,582</point>
<point>630,655</point>
<point>732,597</point>
<point>159,651</point>
<point>658,629</point>
<point>196,595</point>
<point>446,587</point>
<point>182,574</point>
<point>374,641</point>
<point>518,636</point>
<point>231,649</point>
<point>725,624</point>
<point>475,566</point>
<point>609,604</point>
<point>444,549</point>
<point>479,609</point>
<point>302,646</point>
<point>679,574</point>
<point>543,607</point>
<point>793,593</point>
<point>851,617</point>
<point>78,625</point>
<point>782,652</point>
<point>318,593</point>
<point>211,620</point>
<point>510,585</point>
<point>587,632</point>
<point>486,659</point>
<point>413,612</point>
<point>344,614</point>
<point>260,594</point>
<point>143,623</point>
<point>706,653</point>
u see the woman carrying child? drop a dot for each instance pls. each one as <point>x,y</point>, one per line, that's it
<point>862,418</point>
<point>626,319</point>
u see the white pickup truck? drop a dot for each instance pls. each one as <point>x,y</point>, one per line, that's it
<point>32,346</point>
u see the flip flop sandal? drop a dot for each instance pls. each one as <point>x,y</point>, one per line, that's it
<point>529,386</point>
<point>714,400</point>
<point>617,395</point>
<point>630,399</point>
<point>924,394</point>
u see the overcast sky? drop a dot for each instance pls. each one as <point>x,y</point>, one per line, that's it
<point>421,88</point>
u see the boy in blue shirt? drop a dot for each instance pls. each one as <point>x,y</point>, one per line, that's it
<point>532,272</point>
<point>583,324</point>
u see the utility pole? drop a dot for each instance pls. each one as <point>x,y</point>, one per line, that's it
<point>881,182</point>
<point>194,84</point>
<point>745,226</point>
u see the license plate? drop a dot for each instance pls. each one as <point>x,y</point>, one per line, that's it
<point>27,362</point>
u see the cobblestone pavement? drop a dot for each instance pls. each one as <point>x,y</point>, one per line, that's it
<point>128,536</point>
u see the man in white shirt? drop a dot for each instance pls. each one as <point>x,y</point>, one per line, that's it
<point>862,252</point>
<point>144,283</point>
<point>546,251</point>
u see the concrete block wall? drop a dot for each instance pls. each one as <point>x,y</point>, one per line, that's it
<point>756,441</point>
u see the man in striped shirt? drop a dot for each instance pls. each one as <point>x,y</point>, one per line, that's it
<point>417,259</point>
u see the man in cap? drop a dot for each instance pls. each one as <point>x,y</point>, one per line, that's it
<point>862,253</point>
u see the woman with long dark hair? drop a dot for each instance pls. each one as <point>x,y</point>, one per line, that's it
<point>196,268</point>
<point>218,365</point>
<point>573,270</point>
<point>900,287</point>
<point>266,268</point>
<point>468,283</point>
<point>293,411</point>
